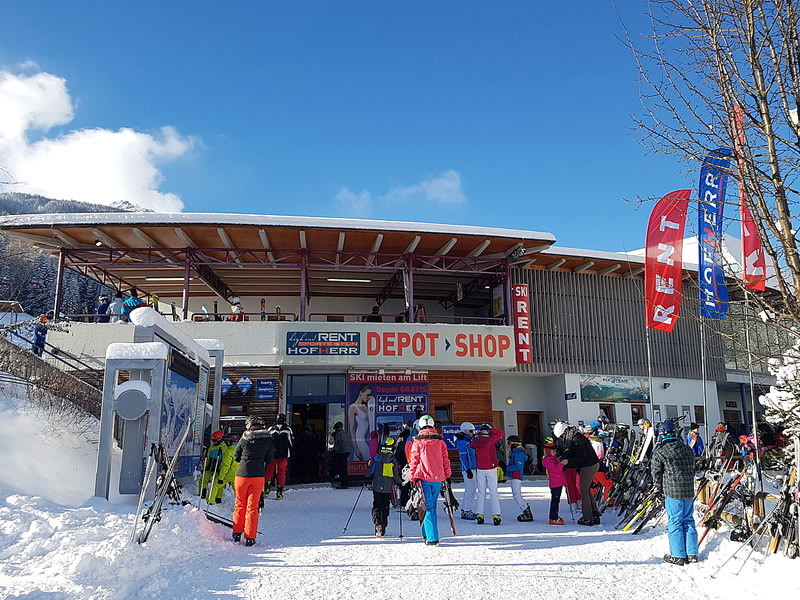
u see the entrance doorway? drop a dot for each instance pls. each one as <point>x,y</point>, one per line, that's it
<point>608,411</point>
<point>529,425</point>
<point>309,426</point>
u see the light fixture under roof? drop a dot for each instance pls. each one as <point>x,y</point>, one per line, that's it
<point>343,280</point>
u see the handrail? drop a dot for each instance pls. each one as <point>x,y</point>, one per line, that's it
<point>57,355</point>
<point>428,318</point>
<point>262,316</point>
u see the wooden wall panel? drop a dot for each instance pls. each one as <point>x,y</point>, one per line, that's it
<point>470,392</point>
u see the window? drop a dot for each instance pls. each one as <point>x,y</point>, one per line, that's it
<point>671,410</point>
<point>637,412</point>
<point>699,415</point>
<point>443,413</point>
<point>311,386</point>
<point>608,411</point>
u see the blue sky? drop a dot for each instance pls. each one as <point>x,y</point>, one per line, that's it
<point>512,114</point>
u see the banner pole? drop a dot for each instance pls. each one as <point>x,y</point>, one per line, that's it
<point>703,374</point>
<point>649,370</point>
<point>752,394</point>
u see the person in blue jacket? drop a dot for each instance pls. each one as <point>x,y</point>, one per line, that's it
<point>517,458</point>
<point>39,336</point>
<point>130,305</point>
<point>466,456</point>
<point>694,440</point>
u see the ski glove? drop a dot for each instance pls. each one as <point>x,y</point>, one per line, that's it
<point>469,474</point>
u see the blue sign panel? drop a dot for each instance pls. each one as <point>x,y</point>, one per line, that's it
<point>449,435</point>
<point>323,343</point>
<point>225,385</point>
<point>266,389</point>
<point>710,275</point>
<point>244,384</point>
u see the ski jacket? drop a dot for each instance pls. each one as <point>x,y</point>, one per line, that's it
<point>429,460</point>
<point>466,454</point>
<point>129,306</point>
<point>282,438</point>
<point>39,336</point>
<point>253,453</point>
<point>219,460</point>
<point>115,309</point>
<point>695,443</point>
<point>555,471</point>
<point>516,462</point>
<point>576,450</point>
<point>672,467</point>
<point>342,443</point>
<point>102,312</point>
<point>485,451</point>
<point>385,471</point>
<point>229,464</point>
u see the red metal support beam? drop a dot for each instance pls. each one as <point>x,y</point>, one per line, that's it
<point>59,296</point>
<point>303,284</point>
<point>187,272</point>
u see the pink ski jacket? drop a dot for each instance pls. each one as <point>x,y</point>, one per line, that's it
<point>555,471</point>
<point>429,460</point>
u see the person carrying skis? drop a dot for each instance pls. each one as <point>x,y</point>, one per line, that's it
<point>673,468</point>
<point>575,452</point>
<point>253,453</point>
<point>555,475</point>
<point>517,457</point>
<point>466,456</point>
<point>282,439</point>
<point>694,440</point>
<point>486,460</point>
<point>429,466</point>
<point>385,472</point>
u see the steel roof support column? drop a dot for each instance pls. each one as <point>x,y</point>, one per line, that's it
<point>303,283</point>
<point>508,299</point>
<point>59,283</point>
<point>187,271</point>
<point>409,280</point>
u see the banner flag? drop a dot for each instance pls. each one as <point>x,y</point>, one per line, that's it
<point>663,266</point>
<point>710,275</point>
<point>754,264</point>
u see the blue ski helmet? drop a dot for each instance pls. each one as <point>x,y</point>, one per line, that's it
<point>667,430</point>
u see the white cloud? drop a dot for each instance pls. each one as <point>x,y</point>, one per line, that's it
<point>92,165</point>
<point>443,189</point>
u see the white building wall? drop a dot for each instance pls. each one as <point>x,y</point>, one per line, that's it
<point>534,393</point>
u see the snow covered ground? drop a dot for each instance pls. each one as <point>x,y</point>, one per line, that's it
<point>58,543</point>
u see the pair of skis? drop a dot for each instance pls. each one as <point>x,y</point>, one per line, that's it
<point>416,503</point>
<point>164,487</point>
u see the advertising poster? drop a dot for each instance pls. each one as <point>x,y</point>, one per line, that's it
<point>607,388</point>
<point>382,400</point>
<point>180,408</point>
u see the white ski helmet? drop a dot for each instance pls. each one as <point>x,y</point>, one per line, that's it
<point>559,429</point>
<point>467,427</point>
<point>426,421</point>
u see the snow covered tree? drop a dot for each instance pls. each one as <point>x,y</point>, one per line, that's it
<point>782,403</point>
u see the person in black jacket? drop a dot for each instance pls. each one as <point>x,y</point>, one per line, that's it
<point>281,435</point>
<point>576,452</point>
<point>253,453</point>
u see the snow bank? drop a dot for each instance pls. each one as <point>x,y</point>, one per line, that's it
<point>148,317</point>
<point>131,351</point>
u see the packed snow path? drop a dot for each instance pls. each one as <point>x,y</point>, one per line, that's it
<point>52,551</point>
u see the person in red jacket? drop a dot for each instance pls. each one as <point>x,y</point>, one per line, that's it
<point>429,466</point>
<point>486,458</point>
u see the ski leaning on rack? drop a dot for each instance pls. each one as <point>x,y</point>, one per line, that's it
<point>164,487</point>
<point>450,504</point>
<point>148,475</point>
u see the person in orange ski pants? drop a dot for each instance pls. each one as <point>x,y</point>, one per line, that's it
<point>253,452</point>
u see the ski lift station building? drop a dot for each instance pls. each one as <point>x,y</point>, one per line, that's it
<point>472,323</point>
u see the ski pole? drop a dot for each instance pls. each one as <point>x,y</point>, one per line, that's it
<point>400,514</point>
<point>354,507</point>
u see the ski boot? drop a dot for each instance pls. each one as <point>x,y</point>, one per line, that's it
<point>526,515</point>
<point>468,515</point>
<point>588,521</point>
<point>427,543</point>
<point>249,541</point>
<point>267,489</point>
<point>674,560</point>
<point>279,493</point>
<point>496,519</point>
<point>237,537</point>
<point>692,558</point>
<point>558,521</point>
<point>479,519</point>
<point>379,531</point>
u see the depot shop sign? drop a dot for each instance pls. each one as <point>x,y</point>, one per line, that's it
<point>408,344</point>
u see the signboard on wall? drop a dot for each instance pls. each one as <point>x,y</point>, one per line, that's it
<point>487,347</point>
<point>522,322</point>
<point>266,389</point>
<point>608,388</point>
<point>449,433</point>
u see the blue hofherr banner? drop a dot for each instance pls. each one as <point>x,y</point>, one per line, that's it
<point>711,277</point>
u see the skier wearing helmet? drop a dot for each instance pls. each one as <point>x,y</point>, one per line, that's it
<point>486,460</point>
<point>672,467</point>
<point>517,458</point>
<point>253,453</point>
<point>214,468</point>
<point>466,456</point>
<point>576,452</point>
<point>430,466</point>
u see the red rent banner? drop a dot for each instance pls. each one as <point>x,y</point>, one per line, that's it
<point>522,322</point>
<point>663,267</point>
<point>753,262</point>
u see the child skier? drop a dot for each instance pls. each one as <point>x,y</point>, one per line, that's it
<point>385,472</point>
<point>555,473</point>
<point>517,457</point>
<point>213,469</point>
<point>486,460</point>
<point>466,456</point>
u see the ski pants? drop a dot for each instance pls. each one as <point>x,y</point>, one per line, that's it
<point>380,508</point>
<point>603,479</point>
<point>680,527</point>
<point>555,500</point>
<point>339,467</point>
<point>470,490</point>
<point>216,487</point>
<point>516,492</point>
<point>573,489</point>
<point>588,505</point>
<point>430,526</point>
<point>487,481</point>
<point>279,465</point>
<point>245,511</point>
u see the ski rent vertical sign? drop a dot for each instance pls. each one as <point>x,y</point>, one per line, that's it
<point>522,322</point>
<point>711,277</point>
<point>663,267</point>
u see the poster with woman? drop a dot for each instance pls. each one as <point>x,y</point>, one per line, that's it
<point>361,420</point>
